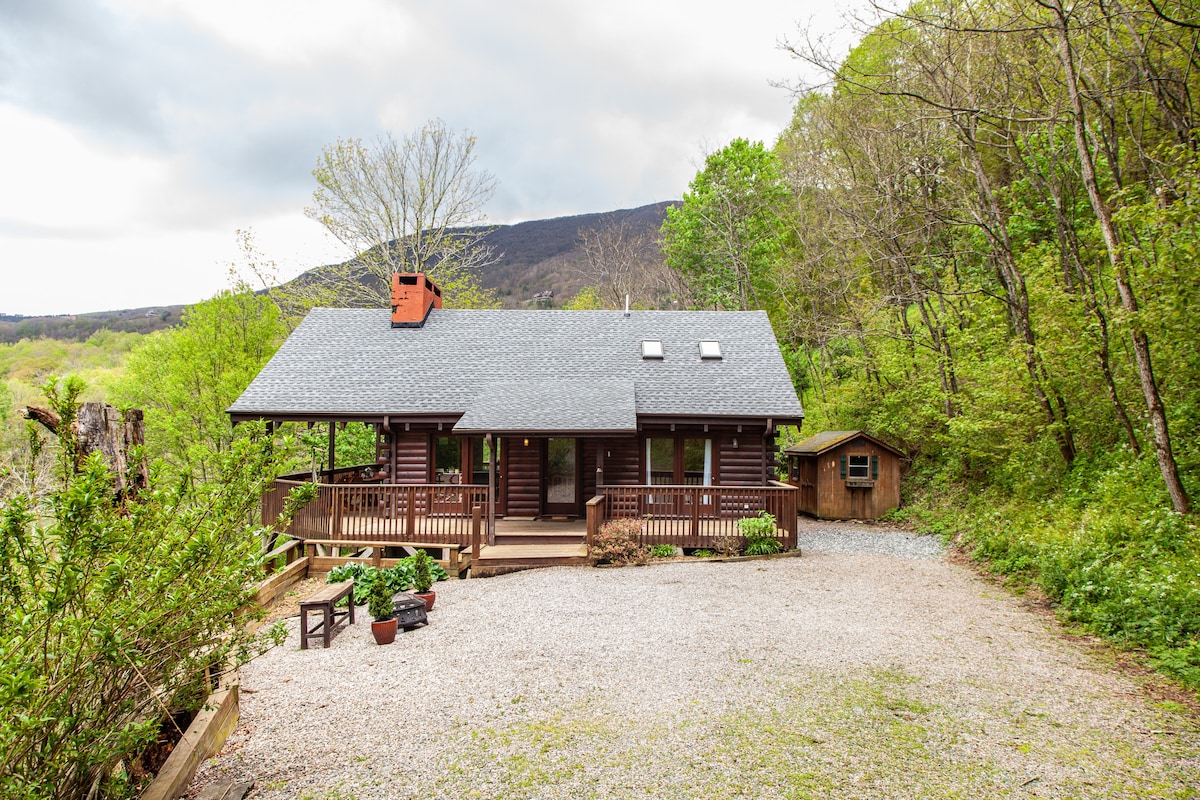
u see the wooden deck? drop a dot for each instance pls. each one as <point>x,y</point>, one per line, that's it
<point>452,517</point>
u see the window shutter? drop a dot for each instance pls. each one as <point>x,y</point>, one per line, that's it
<point>843,467</point>
<point>874,468</point>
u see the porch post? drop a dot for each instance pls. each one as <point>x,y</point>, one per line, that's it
<point>332,432</point>
<point>492,488</point>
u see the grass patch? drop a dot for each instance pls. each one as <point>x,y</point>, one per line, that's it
<point>876,733</point>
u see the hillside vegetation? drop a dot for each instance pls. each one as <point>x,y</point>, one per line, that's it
<point>980,242</point>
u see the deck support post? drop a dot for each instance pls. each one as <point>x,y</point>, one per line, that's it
<point>332,432</point>
<point>491,441</point>
<point>476,533</point>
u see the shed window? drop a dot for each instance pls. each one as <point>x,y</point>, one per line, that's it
<point>652,348</point>
<point>710,349</point>
<point>860,466</point>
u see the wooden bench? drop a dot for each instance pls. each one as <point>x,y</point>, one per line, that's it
<point>326,601</point>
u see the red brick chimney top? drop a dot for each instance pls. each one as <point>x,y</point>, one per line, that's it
<point>413,296</point>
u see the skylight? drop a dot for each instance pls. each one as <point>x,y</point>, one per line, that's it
<point>652,348</point>
<point>710,349</point>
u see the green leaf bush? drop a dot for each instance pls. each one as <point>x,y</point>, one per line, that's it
<point>111,611</point>
<point>399,578</point>
<point>761,534</point>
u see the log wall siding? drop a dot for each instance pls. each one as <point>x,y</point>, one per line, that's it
<point>740,466</point>
<point>591,447</point>
<point>411,457</point>
<point>523,477</point>
<point>622,461</point>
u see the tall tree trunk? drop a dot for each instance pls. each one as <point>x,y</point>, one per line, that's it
<point>1016,295</point>
<point>1141,342</point>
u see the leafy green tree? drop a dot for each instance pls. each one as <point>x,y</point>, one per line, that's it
<point>407,204</point>
<point>586,299</point>
<point>112,610</point>
<point>995,211</point>
<point>729,234</point>
<point>185,378</point>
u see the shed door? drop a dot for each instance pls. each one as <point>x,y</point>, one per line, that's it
<point>808,485</point>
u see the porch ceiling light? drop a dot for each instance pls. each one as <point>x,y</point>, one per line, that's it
<point>710,349</point>
<point>652,348</point>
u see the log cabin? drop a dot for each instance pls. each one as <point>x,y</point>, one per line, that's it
<point>671,416</point>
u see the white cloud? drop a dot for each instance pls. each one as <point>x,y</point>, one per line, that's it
<point>56,180</point>
<point>140,133</point>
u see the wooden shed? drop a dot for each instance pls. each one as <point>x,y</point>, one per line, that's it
<point>844,475</point>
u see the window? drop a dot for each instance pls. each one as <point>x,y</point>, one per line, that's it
<point>660,462</point>
<point>447,459</point>
<point>710,349</point>
<point>697,462</point>
<point>652,348</point>
<point>860,467</point>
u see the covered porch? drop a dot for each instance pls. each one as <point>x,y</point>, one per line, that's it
<point>357,516</point>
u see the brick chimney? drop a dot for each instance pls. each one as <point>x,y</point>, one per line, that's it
<point>413,297</point>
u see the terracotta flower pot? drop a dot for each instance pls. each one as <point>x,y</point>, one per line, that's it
<point>428,597</point>
<point>384,631</point>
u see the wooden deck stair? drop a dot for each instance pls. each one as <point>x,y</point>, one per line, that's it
<point>528,544</point>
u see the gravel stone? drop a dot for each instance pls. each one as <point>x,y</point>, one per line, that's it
<point>852,537</point>
<point>869,667</point>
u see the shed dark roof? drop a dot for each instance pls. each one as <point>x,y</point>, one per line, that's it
<point>496,366</point>
<point>827,440</point>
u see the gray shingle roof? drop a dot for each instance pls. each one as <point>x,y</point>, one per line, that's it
<point>352,362</point>
<point>562,406</point>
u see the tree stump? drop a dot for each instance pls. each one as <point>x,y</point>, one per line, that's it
<point>102,428</point>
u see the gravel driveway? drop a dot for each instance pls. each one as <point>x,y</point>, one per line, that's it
<point>870,667</point>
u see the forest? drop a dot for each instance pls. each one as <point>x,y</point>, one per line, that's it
<point>979,241</point>
<point>976,240</point>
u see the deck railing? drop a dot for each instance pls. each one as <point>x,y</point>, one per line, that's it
<point>694,516</point>
<point>431,513</point>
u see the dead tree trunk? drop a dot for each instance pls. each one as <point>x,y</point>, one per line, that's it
<point>99,427</point>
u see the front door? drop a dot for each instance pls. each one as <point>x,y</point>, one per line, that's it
<point>560,478</point>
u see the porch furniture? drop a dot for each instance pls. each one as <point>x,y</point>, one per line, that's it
<point>325,601</point>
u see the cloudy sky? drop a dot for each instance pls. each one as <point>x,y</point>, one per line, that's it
<point>138,135</point>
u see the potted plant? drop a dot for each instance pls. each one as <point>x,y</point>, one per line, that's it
<point>381,608</point>
<point>423,579</point>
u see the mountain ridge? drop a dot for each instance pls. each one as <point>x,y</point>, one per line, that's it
<point>540,262</point>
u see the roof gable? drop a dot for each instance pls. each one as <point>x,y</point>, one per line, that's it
<point>828,440</point>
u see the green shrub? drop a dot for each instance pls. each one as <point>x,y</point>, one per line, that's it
<point>618,542</point>
<point>112,611</point>
<point>399,578</point>
<point>379,601</point>
<point>760,534</point>
<point>662,551</point>
<point>422,579</point>
<point>1106,551</point>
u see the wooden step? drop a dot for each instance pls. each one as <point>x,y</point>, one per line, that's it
<point>501,558</point>
<point>550,537</point>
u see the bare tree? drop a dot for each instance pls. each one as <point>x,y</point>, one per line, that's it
<point>621,261</point>
<point>407,204</point>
